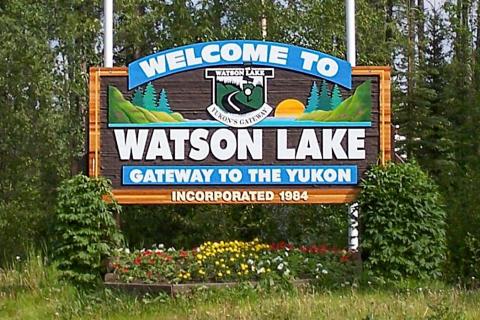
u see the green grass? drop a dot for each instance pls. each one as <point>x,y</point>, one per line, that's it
<point>123,111</point>
<point>358,107</point>
<point>32,291</point>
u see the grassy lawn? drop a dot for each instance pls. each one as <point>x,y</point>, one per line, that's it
<point>34,292</point>
<point>66,302</point>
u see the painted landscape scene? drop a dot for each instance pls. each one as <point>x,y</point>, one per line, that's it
<point>322,108</point>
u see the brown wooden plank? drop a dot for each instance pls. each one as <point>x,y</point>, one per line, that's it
<point>94,105</point>
<point>98,146</point>
<point>163,196</point>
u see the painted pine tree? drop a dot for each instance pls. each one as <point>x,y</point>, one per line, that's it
<point>324,98</point>
<point>137,98</point>
<point>150,98</point>
<point>312,101</point>
<point>336,97</point>
<point>163,104</point>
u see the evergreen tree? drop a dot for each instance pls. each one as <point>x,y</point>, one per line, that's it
<point>312,101</point>
<point>336,97</point>
<point>163,104</point>
<point>463,115</point>
<point>137,98</point>
<point>436,90</point>
<point>324,101</point>
<point>429,96</point>
<point>149,98</point>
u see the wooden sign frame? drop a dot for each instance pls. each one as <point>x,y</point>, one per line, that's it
<point>163,196</point>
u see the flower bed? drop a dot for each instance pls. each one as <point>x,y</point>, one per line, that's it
<point>233,261</point>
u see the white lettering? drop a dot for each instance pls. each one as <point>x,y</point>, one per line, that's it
<point>254,54</point>
<point>159,147</point>
<point>231,52</point>
<point>283,152</point>
<point>344,175</point>
<point>308,145</point>
<point>356,144</point>
<point>226,138</point>
<point>278,55</point>
<point>131,145</point>
<point>208,51</point>
<point>308,60</point>
<point>179,137</point>
<point>153,66</point>
<point>191,59</point>
<point>176,60</point>
<point>333,144</point>
<point>327,67</point>
<point>200,149</point>
<point>248,144</point>
<point>136,176</point>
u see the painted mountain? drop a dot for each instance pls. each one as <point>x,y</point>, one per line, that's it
<point>123,111</point>
<point>357,108</point>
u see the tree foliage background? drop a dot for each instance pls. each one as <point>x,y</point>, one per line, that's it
<point>48,46</point>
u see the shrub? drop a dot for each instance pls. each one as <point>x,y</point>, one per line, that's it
<point>85,228</point>
<point>189,225</point>
<point>33,222</point>
<point>402,223</point>
<point>472,261</point>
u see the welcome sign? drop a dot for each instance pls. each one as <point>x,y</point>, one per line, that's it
<point>238,122</point>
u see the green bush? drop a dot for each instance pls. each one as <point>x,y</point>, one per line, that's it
<point>33,223</point>
<point>472,261</point>
<point>85,228</point>
<point>402,223</point>
<point>186,226</point>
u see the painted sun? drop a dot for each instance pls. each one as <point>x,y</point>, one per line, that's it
<point>289,108</point>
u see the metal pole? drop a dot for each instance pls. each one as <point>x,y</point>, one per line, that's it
<point>351,57</point>
<point>353,226</point>
<point>108,33</point>
<point>264,22</point>
<point>350,26</point>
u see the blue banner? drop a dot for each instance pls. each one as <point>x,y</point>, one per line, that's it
<point>239,175</point>
<point>239,52</point>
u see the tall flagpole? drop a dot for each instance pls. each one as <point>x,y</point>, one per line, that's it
<point>108,33</point>
<point>350,26</point>
<point>351,57</point>
<point>264,22</point>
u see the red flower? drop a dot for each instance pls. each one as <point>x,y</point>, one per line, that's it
<point>322,249</point>
<point>137,261</point>
<point>183,254</point>
<point>280,246</point>
<point>344,259</point>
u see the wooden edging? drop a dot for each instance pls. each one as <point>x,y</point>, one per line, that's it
<point>176,289</point>
<point>159,196</point>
